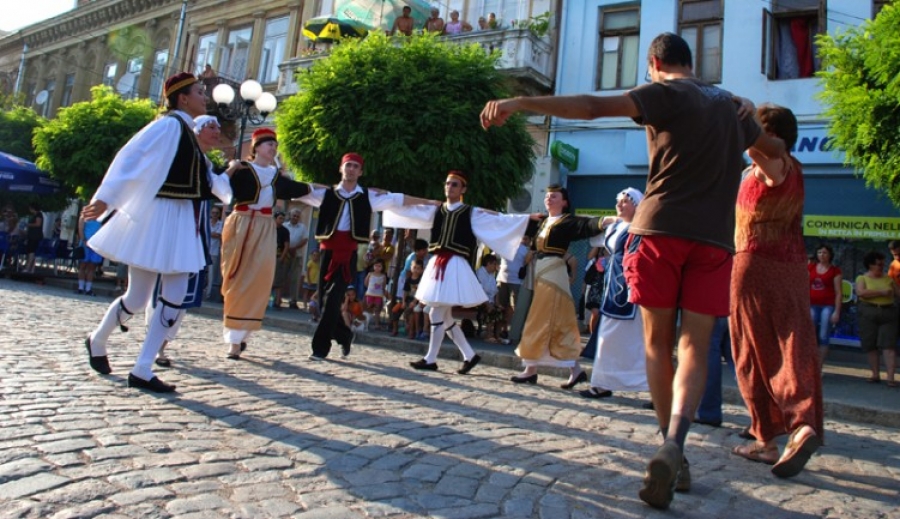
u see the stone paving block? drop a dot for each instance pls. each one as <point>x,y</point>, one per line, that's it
<point>196,503</point>
<point>333,512</point>
<point>62,446</point>
<point>22,467</point>
<point>424,472</point>
<point>207,470</point>
<point>90,509</point>
<point>265,463</point>
<point>31,485</point>
<point>147,477</point>
<point>140,495</point>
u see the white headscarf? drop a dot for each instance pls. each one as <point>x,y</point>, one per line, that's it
<point>632,193</point>
<point>203,120</point>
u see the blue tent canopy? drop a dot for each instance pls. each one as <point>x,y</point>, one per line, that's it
<point>21,176</point>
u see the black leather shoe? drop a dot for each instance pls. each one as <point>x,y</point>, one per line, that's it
<point>467,365</point>
<point>100,364</point>
<point>163,362</point>
<point>582,377</point>
<point>345,350</point>
<point>154,384</point>
<point>425,366</point>
<point>524,380</point>
<point>595,393</point>
<point>233,356</point>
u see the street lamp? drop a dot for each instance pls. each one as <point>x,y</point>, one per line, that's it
<point>256,106</point>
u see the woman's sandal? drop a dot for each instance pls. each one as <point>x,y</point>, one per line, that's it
<point>754,452</point>
<point>797,453</point>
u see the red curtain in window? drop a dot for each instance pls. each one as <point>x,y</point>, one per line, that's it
<point>800,34</point>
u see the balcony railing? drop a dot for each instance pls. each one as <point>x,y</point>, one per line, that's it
<point>523,56</point>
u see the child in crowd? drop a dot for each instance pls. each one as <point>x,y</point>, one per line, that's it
<point>413,307</point>
<point>121,277</point>
<point>490,312</point>
<point>311,283</point>
<point>352,311</point>
<point>376,292</point>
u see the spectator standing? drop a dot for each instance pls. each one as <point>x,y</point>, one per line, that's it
<point>491,313</point>
<point>404,24</point>
<point>311,280</point>
<point>413,308</point>
<point>299,236</point>
<point>878,316</point>
<point>282,261</point>
<point>34,235</point>
<point>376,293</point>
<point>772,337</point>
<point>709,412</point>
<point>434,23</point>
<point>455,25</point>
<point>684,232</point>
<point>509,281</point>
<point>88,265</point>
<point>826,296</point>
<point>214,283</point>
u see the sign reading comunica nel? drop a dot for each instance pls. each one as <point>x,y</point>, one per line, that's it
<point>862,227</point>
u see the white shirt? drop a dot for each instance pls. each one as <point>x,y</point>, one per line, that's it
<point>378,201</point>
<point>298,233</point>
<point>488,283</point>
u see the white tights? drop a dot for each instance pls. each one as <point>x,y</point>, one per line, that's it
<point>442,317</point>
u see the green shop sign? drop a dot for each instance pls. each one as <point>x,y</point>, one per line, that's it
<point>566,154</point>
<point>863,227</point>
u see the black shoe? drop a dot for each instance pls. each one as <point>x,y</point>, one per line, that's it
<point>582,377</point>
<point>746,434</point>
<point>421,364</point>
<point>89,293</point>
<point>154,384</point>
<point>711,423</point>
<point>163,362</point>
<point>524,380</point>
<point>79,291</point>
<point>647,405</point>
<point>294,306</point>
<point>467,365</point>
<point>596,393</point>
<point>100,364</point>
<point>243,346</point>
<point>345,350</point>
<point>233,356</point>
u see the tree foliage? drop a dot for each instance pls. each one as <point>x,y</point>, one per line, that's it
<point>78,145</point>
<point>861,94</point>
<point>17,127</point>
<point>410,108</point>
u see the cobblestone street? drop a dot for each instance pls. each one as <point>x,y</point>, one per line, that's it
<point>275,435</point>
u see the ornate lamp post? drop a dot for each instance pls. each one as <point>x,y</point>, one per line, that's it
<point>256,106</point>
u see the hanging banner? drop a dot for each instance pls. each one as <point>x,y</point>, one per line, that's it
<point>860,227</point>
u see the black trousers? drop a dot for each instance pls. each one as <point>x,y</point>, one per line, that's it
<point>331,297</point>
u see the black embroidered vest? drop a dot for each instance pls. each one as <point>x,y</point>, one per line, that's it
<point>187,178</point>
<point>330,214</point>
<point>245,185</point>
<point>452,230</point>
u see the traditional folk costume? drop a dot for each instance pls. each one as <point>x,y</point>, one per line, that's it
<point>620,361</point>
<point>248,242</point>
<point>153,190</point>
<point>550,336</point>
<point>344,222</point>
<point>449,279</point>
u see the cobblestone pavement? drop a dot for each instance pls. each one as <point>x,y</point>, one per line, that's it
<point>275,435</point>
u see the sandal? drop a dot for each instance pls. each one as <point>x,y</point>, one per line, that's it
<point>757,453</point>
<point>873,380</point>
<point>796,453</point>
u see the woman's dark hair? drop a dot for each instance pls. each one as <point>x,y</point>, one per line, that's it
<point>828,248</point>
<point>872,257</point>
<point>565,195</point>
<point>172,99</point>
<point>671,49</point>
<point>780,121</point>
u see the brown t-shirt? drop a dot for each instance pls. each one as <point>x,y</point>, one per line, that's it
<point>696,142</point>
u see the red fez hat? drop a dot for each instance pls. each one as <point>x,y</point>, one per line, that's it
<point>461,175</point>
<point>352,157</point>
<point>262,135</point>
<point>178,81</point>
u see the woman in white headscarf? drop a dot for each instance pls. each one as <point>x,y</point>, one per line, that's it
<point>620,362</point>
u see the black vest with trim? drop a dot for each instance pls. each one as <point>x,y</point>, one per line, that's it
<point>187,178</point>
<point>333,206</point>
<point>452,230</point>
<point>245,185</point>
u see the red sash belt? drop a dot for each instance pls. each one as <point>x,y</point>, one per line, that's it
<point>245,207</point>
<point>442,257</point>
<point>342,246</point>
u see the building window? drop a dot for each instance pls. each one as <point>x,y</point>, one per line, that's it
<point>109,73</point>
<point>158,76</point>
<point>30,93</point>
<point>789,32</point>
<point>50,88</point>
<point>878,5</point>
<point>273,49</point>
<point>67,90</point>
<point>233,63</point>
<point>326,8</point>
<point>206,47</point>
<point>619,41</point>
<point>700,24</point>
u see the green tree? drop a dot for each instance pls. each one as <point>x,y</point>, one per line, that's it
<point>78,145</point>
<point>17,127</point>
<point>411,109</point>
<point>861,94</point>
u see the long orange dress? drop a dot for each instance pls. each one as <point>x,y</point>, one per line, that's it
<point>772,335</point>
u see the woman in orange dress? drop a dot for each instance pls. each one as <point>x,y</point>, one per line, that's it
<point>773,338</point>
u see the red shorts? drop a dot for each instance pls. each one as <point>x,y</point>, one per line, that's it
<point>671,272</point>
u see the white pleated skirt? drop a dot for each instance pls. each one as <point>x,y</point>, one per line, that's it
<point>459,287</point>
<point>164,240</point>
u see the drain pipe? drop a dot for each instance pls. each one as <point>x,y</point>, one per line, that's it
<point>180,36</point>
<point>21,69</point>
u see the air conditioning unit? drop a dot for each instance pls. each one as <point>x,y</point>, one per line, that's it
<point>531,195</point>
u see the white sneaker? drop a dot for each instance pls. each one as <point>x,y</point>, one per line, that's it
<point>315,359</point>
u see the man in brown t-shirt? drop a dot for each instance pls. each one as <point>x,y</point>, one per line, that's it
<point>679,255</point>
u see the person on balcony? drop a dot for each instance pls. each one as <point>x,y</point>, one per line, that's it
<point>435,23</point>
<point>404,24</point>
<point>455,25</point>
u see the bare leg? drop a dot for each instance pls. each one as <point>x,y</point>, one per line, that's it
<point>874,365</point>
<point>890,363</point>
<point>659,339</point>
